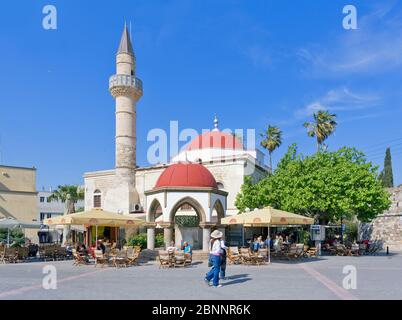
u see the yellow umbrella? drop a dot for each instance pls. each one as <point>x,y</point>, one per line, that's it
<point>271,216</point>
<point>267,216</point>
<point>95,217</point>
<point>237,219</point>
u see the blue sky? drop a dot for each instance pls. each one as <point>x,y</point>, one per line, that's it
<point>252,63</point>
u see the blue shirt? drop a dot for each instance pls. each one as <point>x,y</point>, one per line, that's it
<point>187,249</point>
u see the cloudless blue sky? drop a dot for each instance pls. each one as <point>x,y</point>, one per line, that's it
<point>253,63</point>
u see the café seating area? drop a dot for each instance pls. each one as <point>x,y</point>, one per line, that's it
<point>353,249</point>
<point>174,259</point>
<point>246,256</point>
<point>113,257</point>
<point>32,252</point>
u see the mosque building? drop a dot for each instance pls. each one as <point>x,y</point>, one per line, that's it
<point>185,198</point>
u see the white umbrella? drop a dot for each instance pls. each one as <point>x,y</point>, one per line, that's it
<point>11,223</point>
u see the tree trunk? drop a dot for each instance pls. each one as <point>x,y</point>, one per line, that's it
<point>68,209</point>
<point>270,162</point>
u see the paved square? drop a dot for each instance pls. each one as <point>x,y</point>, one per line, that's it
<point>378,277</point>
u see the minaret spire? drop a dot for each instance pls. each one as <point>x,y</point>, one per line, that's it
<point>125,42</point>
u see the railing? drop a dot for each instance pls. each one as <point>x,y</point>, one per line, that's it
<point>120,80</point>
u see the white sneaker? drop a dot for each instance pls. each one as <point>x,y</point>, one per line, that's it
<point>218,286</point>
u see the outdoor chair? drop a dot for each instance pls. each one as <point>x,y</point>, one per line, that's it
<point>100,258</point>
<point>246,256</point>
<point>11,255</point>
<point>60,253</point>
<point>291,253</point>
<point>341,250</point>
<point>78,259</point>
<point>331,250</point>
<point>179,259</point>
<point>132,257</point>
<point>355,250</point>
<point>119,259</point>
<point>164,259</point>
<point>299,250</point>
<point>234,255</point>
<point>311,252</point>
<point>261,256</point>
<point>2,253</point>
<point>188,259</point>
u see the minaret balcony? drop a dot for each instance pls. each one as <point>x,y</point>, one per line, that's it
<point>125,84</point>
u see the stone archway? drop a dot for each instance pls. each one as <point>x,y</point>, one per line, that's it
<point>220,210</point>
<point>193,203</point>
<point>186,217</point>
<point>152,211</point>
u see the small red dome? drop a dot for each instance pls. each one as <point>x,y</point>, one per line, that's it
<point>216,140</point>
<point>186,175</point>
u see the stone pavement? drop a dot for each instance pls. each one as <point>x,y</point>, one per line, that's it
<point>378,277</point>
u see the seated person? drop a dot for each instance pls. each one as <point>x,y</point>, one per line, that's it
<point>172,248</point>
<point>101,246</point>
<point>187,248</point>
<point>81,249</point>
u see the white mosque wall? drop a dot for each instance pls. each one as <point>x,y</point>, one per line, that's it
<point>230,175</point>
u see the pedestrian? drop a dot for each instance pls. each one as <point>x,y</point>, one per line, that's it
<point>223,260</point>
<point>215,251</point>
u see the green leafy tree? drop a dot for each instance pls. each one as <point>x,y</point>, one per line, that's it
<point>69,195</point>
<point>325,186</point>
<point>386,174</point>
<point>322,126</point>
<point>272,139</point>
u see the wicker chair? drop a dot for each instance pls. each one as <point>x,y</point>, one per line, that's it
<point>164,259</point>
<point>246,256</point>
<point>178,259</point>
<point>78,259</point>
<point>132,257</point>
<point>100,258</point>
<point>234,256</point>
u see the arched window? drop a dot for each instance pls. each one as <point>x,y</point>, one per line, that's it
<point>97,199</point>
<point>220,186</point>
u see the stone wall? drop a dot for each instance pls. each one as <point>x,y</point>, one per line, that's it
<point>387,227</point>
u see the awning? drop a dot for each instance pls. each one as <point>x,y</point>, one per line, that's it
<point>95,217</point>
<point>10,223</point>
<point>267,216</point>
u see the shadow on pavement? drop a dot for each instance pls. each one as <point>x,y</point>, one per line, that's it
<point>235,279</point>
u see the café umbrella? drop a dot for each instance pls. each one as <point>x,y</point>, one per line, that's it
<point>11,223</point>
<point>95,217</point>
<point>267,217</point>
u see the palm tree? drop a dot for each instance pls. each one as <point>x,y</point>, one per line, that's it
<point>272,139</point>
<point>322,127</point>
<point>68,194</point>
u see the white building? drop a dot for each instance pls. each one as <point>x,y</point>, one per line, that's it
<point>49,208</point>
<point>202,181</point>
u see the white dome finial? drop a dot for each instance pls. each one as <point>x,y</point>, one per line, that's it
<point>216,123</point>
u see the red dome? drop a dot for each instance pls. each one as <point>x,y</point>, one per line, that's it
<point>186,175</point>
<point>215,139</point>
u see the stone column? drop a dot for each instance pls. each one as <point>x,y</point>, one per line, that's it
<point>151,237</point>
<point>206,236</point>
<point>167,235</point>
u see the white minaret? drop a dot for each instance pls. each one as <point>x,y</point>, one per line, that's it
<point>127,90</point>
